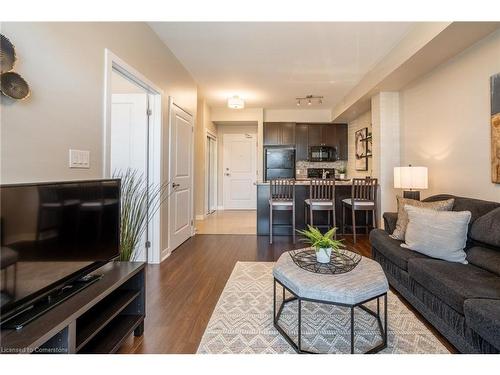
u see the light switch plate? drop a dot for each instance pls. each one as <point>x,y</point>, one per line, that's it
<point>79,159</point>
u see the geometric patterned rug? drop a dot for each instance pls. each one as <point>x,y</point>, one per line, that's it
<point>242,322</point>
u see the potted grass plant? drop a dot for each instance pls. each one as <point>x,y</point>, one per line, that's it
<point>323,244</point>
<point>139,203</point>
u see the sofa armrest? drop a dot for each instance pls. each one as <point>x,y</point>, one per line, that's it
<point>390,219</point>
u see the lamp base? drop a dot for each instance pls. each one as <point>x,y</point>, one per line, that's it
<point>412,194</point>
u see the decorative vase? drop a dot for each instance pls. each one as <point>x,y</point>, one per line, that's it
<point>323,255</point>
<point>342,176</point>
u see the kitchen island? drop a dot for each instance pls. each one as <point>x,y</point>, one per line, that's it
<point>342,191</point>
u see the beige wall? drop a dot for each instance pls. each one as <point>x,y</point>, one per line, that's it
<point>297,115</point>
<point>363,121</point>
<point>446,123</point>
<point>64,64</point>
<point>203,126</point>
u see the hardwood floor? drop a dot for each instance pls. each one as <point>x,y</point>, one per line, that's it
<point>183,290</point>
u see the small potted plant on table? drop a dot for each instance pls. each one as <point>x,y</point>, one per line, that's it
<point>323,244</point>
<point>342,170</point>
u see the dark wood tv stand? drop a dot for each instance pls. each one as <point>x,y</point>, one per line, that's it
<point>96,320</point>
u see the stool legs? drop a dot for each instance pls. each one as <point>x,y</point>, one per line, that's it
<point>271,224</point>
<point>353,224</point>
<point>343,219</point>
<point>293,223</point>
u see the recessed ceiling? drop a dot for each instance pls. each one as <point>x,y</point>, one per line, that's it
<point>270,64</point>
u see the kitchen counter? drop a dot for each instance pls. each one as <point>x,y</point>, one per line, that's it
<point>342,191</point>
<point>307,182</point>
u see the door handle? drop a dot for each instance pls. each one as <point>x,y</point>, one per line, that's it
<point>174,185</point>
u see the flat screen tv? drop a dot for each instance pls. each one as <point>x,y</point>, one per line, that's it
<point>52,234</point>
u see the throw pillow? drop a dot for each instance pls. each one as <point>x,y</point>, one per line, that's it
<point>486,228</point>
<point>402,221</point>
<point>438,234</point>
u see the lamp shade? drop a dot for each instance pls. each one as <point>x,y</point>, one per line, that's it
<point>410,177</point>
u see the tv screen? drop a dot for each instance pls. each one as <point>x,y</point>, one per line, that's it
<point>51,233</point>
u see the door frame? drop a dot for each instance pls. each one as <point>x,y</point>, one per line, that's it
<point>206,207</point>
<point>171,103</point>
<point>155,99</point>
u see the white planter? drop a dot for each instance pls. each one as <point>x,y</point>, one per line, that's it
<point>323,255</point>
<point>342,176</point>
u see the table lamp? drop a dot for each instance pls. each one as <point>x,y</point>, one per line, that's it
<point>411,180</point>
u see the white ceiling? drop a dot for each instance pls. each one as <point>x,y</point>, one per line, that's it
<point>269,64</point>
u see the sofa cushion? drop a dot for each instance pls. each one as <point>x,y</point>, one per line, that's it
<point>453,283</point>
<point>485,258</point>
<point>486,229</point>
<point>483,316</point>
<point>392,250</point>
<point>477,207</point>
<point>390,219</point>
<point>402,221</point>
<point>441,235</point>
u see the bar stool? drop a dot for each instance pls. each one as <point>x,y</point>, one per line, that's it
<point>363,198</point>
<point>321,198</point>
<point>281,198</point>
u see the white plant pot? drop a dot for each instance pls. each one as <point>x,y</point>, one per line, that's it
<point>323,255</point>
<point>342,176</point>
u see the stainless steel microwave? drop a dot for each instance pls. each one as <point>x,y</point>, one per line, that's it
<point>322,153</point>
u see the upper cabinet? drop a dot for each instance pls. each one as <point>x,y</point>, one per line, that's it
<point>334,135</point>
<point>301,143</point>
<point>279,133</point>
<point>302,136</point>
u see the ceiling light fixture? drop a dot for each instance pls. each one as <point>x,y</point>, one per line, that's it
<point>236,102</point>
<point>310,99</point>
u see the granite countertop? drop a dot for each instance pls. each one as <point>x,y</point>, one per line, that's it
<point>307,181</point>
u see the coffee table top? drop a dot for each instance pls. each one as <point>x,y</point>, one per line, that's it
<point>364,282</point>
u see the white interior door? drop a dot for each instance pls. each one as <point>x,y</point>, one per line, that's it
<point>129,133</point>
<point>129,143</point>
<point>181,174</point>
<point>239,171</point>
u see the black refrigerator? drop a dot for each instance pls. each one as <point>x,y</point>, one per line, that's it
<point>279,163</point>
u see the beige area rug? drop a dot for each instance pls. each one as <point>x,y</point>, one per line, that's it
<point>242,322</point>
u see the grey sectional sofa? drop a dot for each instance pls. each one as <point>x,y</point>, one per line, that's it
<point>462,301</point>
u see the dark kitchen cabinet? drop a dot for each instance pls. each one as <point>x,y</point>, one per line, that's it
<point>307,135</point>
<point>315,134</point>
<point>279,133</point>
<point>301,142</point>
<point>341,136</point>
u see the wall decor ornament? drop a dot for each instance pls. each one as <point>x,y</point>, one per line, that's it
<point>495,128</point>
<point>12,84</point>
<point>360,147</point>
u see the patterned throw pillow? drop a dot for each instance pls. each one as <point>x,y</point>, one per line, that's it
<point>402,222</point>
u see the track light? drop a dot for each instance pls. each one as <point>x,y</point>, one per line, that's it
<point>310,99</point>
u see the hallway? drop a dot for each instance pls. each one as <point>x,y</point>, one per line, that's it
<point>228,222</point>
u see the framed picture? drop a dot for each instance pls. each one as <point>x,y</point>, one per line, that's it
<point>495,128</point>
<point>360,147</point>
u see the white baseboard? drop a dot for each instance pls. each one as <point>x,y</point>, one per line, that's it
<point>200,217</point>
<point>220,208</point>
<point>165,253</point>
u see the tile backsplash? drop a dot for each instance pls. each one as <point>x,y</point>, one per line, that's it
<point>302,166</point>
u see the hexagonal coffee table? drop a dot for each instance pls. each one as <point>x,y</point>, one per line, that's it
<point>363,284</point>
